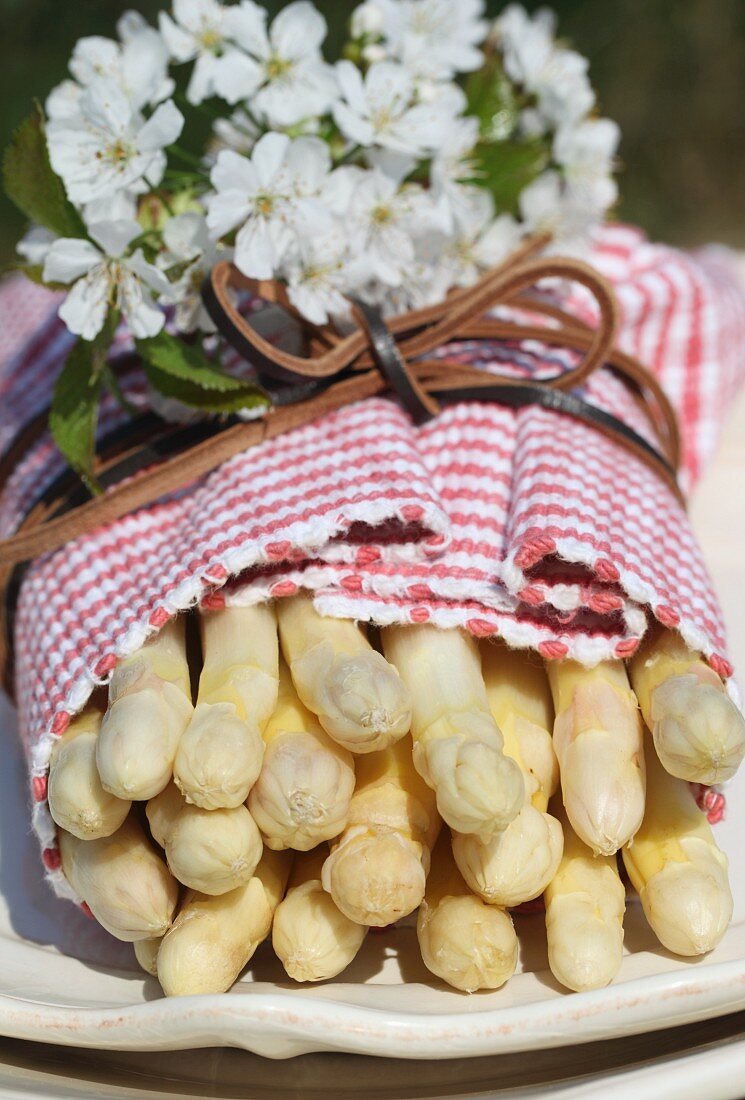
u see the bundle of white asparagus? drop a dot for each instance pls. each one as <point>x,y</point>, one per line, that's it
<point>310,787</point>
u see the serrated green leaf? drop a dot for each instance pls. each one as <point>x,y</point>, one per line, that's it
<point>245,396</point>
<point>188,363</point>
<point>74,412</point>
<point>31,183</point>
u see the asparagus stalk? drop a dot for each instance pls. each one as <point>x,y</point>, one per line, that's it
<point>213,938</point>
<point>220,754</point>
<point>78,802</point>
<point>212,851</point>
<point>677,868</point>
<point>126,885</point>
<point>699,733</point>
<point>146,953</point>
<point>458,747</point>
<point>149,709</point>
<point>312,938</point>
<point>376,871</point>
<point>464,941</point>
<point>585,904</point>
<point>302,795</point>
<point>359,699</point>
<point>598,740</point>
<point>520,702</point>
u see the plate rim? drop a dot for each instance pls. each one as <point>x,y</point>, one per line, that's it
<point>286,1024</point>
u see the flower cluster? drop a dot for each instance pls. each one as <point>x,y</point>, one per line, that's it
<point>402,171</point>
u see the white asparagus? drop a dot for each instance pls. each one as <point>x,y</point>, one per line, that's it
<point>146,953</point>
<point>698,732</point>
<point>520,701</point>
<point>585,905</point>
<point>78,801</point>
<point>464,941</point>
<point>149,709</point>
<point>219,756</point>
<point>302,795</point>
<point>358,697</point>
<point>312,938</point>
<point>212,851</point>
<point>598,740</point>
<point>213,938</point>
<point>676,867</point>
<point>125,884</point>
<point>458,747</point>
<point>377,869</point>
<point>516,865</point>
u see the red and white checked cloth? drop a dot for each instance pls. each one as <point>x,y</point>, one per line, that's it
<point>527,523</point>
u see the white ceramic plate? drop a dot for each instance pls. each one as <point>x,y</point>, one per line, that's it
<point>64,981</point>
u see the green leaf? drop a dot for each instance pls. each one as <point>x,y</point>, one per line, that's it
<point>493,99</point>
<point>34,272</point>
<point>245,396</point>
<point>74,412</point>
<point>507,168</point>
<point>187,363</point>
<point>31,183</point>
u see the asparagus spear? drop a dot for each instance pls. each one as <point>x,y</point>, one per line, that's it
<point>312,938</point>
<point>146,953</point>
<point>377,869</point>
<point>464,941</point>
<point>458,748</point>
<point>149,709</point>
<point>359,699</point>
<point>598,740</point>
<point>220,754</point>
<point>212,851</point>
<point>126,885</point>
<point>78,802</point>
<point>213,938</point>
<point>517,864</point>
<point>302,795</point>
<point>677,868</point>
<point>699,733</point>
<point>585,903</point>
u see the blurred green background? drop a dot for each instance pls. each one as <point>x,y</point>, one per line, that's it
<point>671,72</point>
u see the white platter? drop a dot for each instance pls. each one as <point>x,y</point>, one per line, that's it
<point>64,981</point>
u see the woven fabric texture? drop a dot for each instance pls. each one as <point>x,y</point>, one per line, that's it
<point>525,524</point>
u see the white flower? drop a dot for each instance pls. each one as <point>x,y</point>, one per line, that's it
<point>238,132</point>
<point>189,247</point>
<point>368,20</point>
<point>103,278</point>
<point>295,82</point>
<point>380,109</point>
<point>454,166</point>
<point>319,275</point>
<point>35,244</point>
<point>271,196</point>
<point>556,76</point>
<point>380,222</point>
<point>586,153</point>
<point>199,32</point>
<point>110,147</point>
<point>138,65</point>
<point>435,38</point>
<point>548,205</point>
<point>481,241</point>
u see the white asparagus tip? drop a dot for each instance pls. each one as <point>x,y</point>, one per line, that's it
<point>698,731</point>
<point>312,938</point>
<point>367,704</point>
<point>146,953</point>
<point>689,905</point>
<point>467,943</point>
<point>218,758</point>
<point>585,950</point>
<point>375,877</point>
